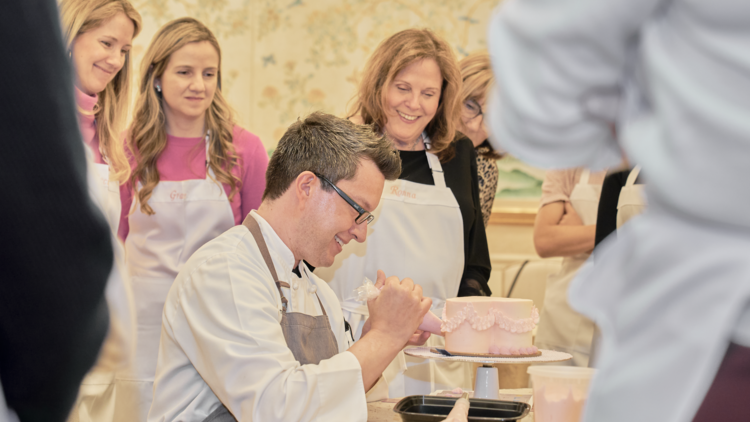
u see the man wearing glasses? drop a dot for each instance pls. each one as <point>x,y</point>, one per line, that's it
<point>249,333</point>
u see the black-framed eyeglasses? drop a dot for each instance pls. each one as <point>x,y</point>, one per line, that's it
<point>471,109</point>
<point>364,216</point>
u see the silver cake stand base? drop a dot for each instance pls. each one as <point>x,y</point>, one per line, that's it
<point>486,385</point>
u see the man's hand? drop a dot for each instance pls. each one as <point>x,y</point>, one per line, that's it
<point>394,317</point>
<point>419,338</point>
<point>399,309</point>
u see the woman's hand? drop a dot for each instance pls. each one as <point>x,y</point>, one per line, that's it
<point>559,231</point>
<point>570,216</point>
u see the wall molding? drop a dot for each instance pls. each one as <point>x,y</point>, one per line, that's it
<point>514,216</point>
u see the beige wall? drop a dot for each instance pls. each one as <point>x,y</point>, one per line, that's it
<point>510,245</point>
<point>286,58</point>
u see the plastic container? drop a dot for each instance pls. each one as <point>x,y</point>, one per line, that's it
<point>436,408</point>
<point>559,392</point>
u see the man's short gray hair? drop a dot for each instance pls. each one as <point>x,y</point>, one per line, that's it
<point>329,146</point>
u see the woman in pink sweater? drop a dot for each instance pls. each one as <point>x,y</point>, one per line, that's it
<point>195,175</point>
<point>99,34</point>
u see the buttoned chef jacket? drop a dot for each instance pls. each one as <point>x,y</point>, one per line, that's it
<point>221,340</point>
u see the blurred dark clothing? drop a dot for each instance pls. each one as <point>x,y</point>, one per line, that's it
<point>55,250</point>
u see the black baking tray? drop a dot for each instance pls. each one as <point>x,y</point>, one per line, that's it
<point>436,408</point>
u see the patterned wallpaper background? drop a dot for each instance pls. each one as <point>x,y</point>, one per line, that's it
<point>285,58</point>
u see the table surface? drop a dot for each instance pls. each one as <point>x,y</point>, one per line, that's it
<point>382,411</point>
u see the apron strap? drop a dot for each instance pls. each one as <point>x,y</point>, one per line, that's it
<point>633,176</point>
<point>322,309</point>
<point>584,177</point>
<point>434,163</point>
<point>254,228</point>
<point>437,169</point>
<point>321,304</point>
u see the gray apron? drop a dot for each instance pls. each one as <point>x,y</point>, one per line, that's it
<point>310,338</point>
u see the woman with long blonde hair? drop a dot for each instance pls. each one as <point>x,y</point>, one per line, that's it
<point>476,72</point>
<point>98,36</point>
<point>195,174</point>
<point>428,225</point>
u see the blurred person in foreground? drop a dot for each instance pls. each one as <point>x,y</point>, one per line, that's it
<point>56,251</point>
<point>671,294</point>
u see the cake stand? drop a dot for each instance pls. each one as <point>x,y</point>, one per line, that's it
<point>486,384</point>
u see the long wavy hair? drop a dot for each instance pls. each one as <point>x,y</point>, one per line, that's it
<point>148,132</point>
<point>77,17</point>
<point>392,56</point>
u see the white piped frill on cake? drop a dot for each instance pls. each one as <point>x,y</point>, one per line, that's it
<point>494,317</point>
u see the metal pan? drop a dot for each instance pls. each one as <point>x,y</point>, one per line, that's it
<point>434,408</point>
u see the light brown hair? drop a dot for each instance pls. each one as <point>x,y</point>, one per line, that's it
<point>77,17</point>
<point>392,56</point>
<point>476,73</point>
<point>330,146</point>
<point>148,132</point>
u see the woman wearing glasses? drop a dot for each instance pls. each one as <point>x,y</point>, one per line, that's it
<point>428,226</point>
<point>476,73</point>
<point>195,175</point>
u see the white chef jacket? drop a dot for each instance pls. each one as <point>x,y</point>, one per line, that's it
<point>6,415</point>
<point>680,70</point>
<point>222,340</point>
<point>671,292</point>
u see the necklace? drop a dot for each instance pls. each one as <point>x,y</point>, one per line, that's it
<point>416,142</point>
<point>403,145</point>
<point>412,147</point>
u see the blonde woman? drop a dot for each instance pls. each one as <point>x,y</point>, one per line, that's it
<point>428,225</point>
<point>98,35</point>
<point>476,73</point>
<point>195,175</point>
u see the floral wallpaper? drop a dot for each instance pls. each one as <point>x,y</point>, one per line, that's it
<point>282,59</point>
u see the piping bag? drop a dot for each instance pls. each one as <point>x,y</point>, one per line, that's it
<point>368,291</point>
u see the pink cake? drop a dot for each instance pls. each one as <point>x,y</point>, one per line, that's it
<point>489,326</point>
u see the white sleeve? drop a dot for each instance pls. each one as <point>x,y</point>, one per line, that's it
<point>559,66</point>
<point>233,339</point>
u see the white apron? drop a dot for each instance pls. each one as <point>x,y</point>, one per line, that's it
<point>632,200</point>
<point>417,233</point>
<point>560,327</point>
<point>188,214</point>
<point>96,396</point>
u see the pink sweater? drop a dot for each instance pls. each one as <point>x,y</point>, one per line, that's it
<point>86,122</point>
<point>185,159</point>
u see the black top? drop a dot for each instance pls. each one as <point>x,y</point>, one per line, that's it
<point>55,250</point>
<point>606,219</point>
<point>461,177</point>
